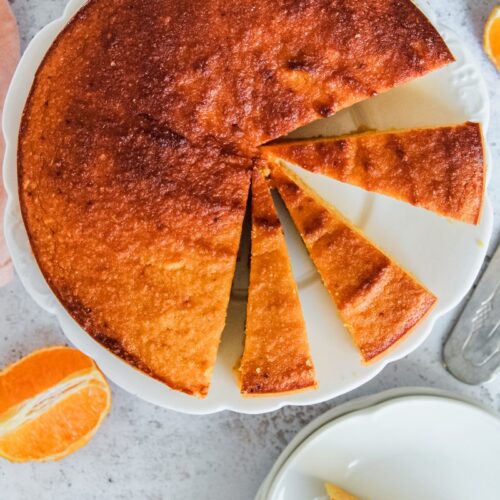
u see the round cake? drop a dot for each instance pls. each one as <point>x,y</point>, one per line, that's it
<point>139,137</point>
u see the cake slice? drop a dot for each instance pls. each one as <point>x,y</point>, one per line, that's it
<point>276,358</point>
<point>378,301</point>
<point>441,169</point>
<point>337,493</point>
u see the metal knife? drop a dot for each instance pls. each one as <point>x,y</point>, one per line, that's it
<point>472,351</point>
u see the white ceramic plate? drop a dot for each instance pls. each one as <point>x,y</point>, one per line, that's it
<point>446,256</point>
<point>408,448</point>
<point>341,410</point>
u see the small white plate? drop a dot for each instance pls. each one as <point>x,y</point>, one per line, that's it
<point>353,405</point>
<point>446,256</point>
<point>410,448</point>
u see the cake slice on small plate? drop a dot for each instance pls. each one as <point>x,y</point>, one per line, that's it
<point>276,357</point>
<point>337,493</point>
<point>441,169</point>
<point>378,301</point>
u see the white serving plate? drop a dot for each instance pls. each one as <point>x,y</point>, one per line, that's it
<point>408,448</point>
<point>446,256</point>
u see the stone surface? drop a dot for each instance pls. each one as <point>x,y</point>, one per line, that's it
<point>144,452</point>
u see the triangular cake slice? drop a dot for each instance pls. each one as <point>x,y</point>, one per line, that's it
<point>441,169</point>
<point>276,358</point>
<point>336,493</point>
<point>378,301</point>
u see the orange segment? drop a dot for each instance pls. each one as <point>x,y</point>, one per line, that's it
<point>51,404</point>
<point>47,367</point>
<point>492,37</point>
<point>337,493</point>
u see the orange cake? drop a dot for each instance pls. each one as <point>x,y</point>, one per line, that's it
<point>276,358</point>
<point>378,301</point>
<point>441,169</point>
<point>138,139</point>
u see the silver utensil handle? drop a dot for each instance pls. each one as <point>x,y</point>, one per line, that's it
<point>472,351</point>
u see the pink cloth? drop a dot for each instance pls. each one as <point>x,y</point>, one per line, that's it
<point>9,56</point>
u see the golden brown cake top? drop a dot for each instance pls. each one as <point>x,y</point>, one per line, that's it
<point>242,71</point>
<point>441,168</point>
<point>378,302</point>
<point>132,176</point>
<point>276,358</point>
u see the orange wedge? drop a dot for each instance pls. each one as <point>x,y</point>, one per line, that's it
<point>492,37</point>
<point>51,403</point>
<point>337,493</point>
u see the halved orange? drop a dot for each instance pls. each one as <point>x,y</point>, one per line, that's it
<point>51,403</point>
<point>492,37</point>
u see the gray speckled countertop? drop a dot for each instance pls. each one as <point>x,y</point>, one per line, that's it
<point>144,452</point>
